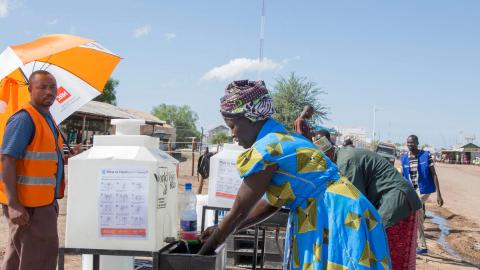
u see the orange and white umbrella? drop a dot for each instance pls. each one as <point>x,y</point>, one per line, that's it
<point>80,65</point>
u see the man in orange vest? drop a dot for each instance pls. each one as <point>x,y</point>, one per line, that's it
<point>32,179</point>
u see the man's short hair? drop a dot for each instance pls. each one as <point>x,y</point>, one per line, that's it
<point>348,142</point>
<point>414,137</point>
<point>38,72</point>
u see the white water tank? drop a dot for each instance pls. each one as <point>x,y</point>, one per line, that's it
<point>224,180</point>
<point>122,194</point>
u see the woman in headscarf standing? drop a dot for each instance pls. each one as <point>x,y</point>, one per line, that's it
<point>331,224</point>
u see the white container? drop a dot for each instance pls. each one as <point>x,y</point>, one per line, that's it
<point>108,262</point>
<point>122,193</point>
<point>224,180</point>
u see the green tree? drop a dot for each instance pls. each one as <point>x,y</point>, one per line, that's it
<point>425,145</point>
<point>292,94</point>
<point>109,95</point>
<point>220,138</point>
<point>181,117</point>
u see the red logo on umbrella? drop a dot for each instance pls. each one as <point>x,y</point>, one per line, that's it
<point>62,95</point>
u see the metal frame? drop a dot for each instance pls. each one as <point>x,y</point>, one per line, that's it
<point>256,227</point>
<point>97,252</point>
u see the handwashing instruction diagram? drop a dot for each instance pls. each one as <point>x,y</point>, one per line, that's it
<point>228,179</point>
<point>122,202</point>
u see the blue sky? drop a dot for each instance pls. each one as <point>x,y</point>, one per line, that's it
<point>418,61</point>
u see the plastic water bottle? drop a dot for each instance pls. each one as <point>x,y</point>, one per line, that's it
<point>188,216</point>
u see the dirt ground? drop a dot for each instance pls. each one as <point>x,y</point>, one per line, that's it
<point>460,187</point>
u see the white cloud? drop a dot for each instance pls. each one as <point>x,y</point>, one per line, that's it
<point>142,31</point>
<point>170,36</point>
<point>239,67</point>
<point>4,7</point>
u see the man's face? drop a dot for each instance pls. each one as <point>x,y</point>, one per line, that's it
<point>412,144</point>
<point>242,131</point>
<point>309,113</point>
<point>43,90</point>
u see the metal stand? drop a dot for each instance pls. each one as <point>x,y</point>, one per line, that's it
<point>97,252</point>
<point>262,227</point>
<point>213,208</point>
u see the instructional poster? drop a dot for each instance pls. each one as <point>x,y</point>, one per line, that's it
<point>122,202</point>
<point>228,179</point>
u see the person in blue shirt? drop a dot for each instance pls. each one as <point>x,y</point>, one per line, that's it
<point>33,237</point>
<point>418,167</point>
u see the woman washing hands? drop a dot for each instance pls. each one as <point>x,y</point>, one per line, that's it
<point>331,225</point>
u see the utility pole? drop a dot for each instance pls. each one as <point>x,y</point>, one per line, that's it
<point>262,33</point>
<point>374,123</point>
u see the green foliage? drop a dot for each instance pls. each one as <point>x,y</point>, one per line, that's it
<point>181,117</point>
<point>220,138</point>
<point>425,145</point>
<point>292,94</point>
<point>109,94</point>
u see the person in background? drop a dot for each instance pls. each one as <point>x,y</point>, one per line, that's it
<point>90,142</point>
<point>419,169</point>
<point>72,136</point>
<point>331,224</point>
<point>395,199</point>
<point>301,124</point>
<point>203,168</point>
<point>79,136</point>
<point>32,179</point>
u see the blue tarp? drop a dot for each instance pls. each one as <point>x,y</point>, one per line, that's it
<point>319,127</point>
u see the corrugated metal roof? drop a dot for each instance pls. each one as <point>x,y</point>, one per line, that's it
<point>110,111</point>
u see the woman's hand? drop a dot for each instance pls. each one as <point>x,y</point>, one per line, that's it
<point>207,233</point>
<point>250,191</point>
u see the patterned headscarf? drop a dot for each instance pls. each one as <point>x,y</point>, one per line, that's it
<point>247,98</point>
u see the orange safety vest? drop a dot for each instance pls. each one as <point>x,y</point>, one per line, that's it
<point>37,170</point>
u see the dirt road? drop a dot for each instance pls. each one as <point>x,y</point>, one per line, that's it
<point>460,186</point>
<point>459,218</point>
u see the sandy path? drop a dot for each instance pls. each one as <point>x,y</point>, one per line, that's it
<point>460,186</point>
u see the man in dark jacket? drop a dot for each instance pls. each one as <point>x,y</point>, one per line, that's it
<point>396,200</point>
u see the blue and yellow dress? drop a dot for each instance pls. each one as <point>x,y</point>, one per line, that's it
<point>331,224</point>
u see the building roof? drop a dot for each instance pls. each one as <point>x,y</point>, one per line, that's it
<point>106,110</point>
<point>470,146</point>
<point>218,129</point>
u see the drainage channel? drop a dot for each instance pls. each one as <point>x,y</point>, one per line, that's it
<point>442,238</point>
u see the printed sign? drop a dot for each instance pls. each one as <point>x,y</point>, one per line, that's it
<point>122,202</point>
<point>228,179</point>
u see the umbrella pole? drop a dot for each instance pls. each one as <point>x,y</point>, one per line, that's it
<point>24,76</point>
